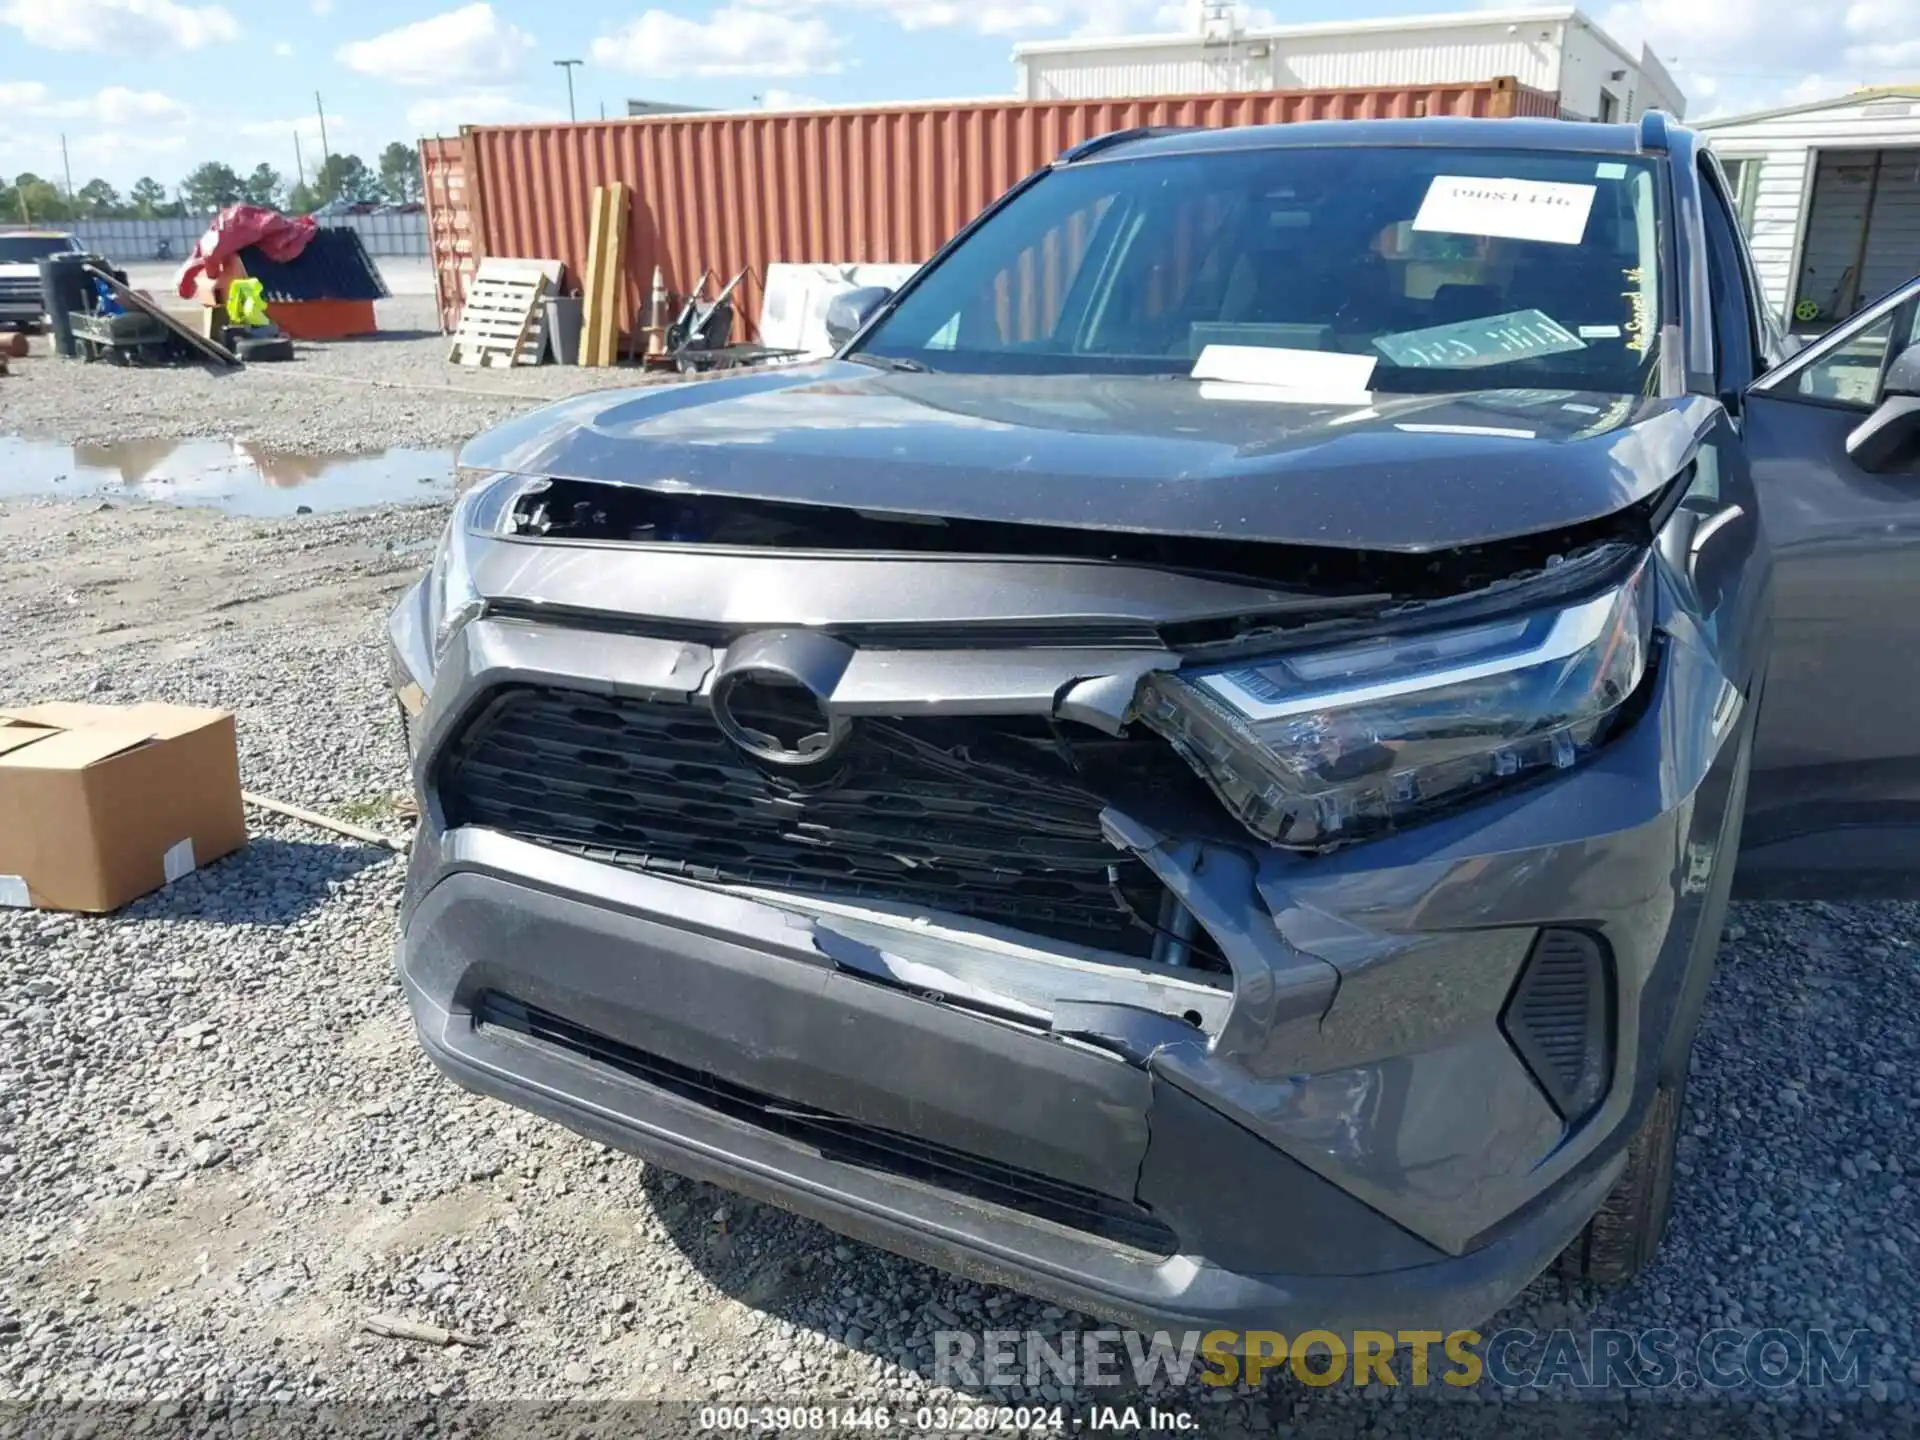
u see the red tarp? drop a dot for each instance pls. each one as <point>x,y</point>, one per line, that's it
<point>237,227</point>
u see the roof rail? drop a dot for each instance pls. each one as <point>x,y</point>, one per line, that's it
<point>1653,132</point>
<point>1117,137</point>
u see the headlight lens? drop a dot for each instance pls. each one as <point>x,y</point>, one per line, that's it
<point>1324,746</point>
<point>452,599</point>
<point>484,505</point>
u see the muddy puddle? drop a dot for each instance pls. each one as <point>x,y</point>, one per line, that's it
<point>230,475</point>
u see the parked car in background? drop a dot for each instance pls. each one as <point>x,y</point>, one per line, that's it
<point>1197,767</point>
<point>21,306</point>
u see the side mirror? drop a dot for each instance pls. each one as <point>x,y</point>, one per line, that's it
<point>1893,430</point>
<point>1903,376</point>
<point>851,309</point>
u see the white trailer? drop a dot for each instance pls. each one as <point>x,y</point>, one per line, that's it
<point>1556,49</point>
<point>1829,194</point>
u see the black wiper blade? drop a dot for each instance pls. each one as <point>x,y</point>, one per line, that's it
<point>891,362</point>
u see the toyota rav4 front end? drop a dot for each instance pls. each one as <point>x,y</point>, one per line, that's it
<point>1229,853</point>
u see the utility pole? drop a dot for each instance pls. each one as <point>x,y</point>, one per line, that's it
<point>299,165</point>
<point>325,154</point>
<point>567,65</point>
<point>73,206</point>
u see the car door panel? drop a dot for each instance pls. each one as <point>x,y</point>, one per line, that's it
<point>1834,803</point>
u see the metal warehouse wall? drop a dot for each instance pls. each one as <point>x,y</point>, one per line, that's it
<point>1334,55</point>
<point>884,185</point>
<point>133,241</point>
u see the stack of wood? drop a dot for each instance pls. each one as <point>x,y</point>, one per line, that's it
<point>606,266</point>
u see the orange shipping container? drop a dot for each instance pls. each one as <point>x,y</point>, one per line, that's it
<point>890,184</point>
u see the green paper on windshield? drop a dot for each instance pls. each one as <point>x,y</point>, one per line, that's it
<point>1494,340</point>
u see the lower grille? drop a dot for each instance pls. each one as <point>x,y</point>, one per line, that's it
<point>848,1141</point>
<point>982,817</point>
<point>1559,1018</point>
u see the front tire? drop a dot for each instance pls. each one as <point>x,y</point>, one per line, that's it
<point>1625,1232</point>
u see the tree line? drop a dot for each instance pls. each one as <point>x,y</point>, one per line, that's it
<point>30,199</point>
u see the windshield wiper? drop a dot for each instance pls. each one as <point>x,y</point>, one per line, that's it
<point>891,362</point>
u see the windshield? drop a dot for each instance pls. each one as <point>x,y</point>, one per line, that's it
<point>16,249</point>
<point>1448,269</point>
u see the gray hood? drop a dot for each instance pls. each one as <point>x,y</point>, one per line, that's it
<point>1160,455</point>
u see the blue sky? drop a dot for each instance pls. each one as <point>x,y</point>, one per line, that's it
<point>153,87</point>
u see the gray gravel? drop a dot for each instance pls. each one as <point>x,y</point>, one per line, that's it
<point>396,389</point>
<point>220,1150</point>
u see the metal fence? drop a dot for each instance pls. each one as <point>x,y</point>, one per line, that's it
<point>132,241</point>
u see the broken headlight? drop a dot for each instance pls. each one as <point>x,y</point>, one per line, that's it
<point>482,506</point>
<point>1321,746</point>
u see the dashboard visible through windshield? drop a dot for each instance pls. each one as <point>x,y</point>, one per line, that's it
<point>1447,269</point>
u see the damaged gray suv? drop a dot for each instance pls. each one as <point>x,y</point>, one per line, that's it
<point>1196,767</point>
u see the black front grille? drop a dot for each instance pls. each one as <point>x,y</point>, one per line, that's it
<point>983,817</point>
<point>848,1141</point>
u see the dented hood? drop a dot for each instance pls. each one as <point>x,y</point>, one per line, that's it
<point>1156,454</point>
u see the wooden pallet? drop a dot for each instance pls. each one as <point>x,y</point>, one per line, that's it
<point>504,319</point>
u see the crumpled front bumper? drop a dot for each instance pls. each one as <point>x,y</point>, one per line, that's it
<point>1354,1142</point>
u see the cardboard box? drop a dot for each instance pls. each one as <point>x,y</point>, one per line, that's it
<point>101,803</point>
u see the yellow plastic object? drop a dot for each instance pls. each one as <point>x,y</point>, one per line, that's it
<point>247,303</point>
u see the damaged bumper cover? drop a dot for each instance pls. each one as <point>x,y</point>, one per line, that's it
<point>1351,1128</point>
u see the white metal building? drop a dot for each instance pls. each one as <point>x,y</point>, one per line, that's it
<point>1830,197</point>
<point>1555,49</point>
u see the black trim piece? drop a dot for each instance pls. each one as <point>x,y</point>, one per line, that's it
<point>908,635</point>
<point>1559,1020</point>
<point>838,1138</point>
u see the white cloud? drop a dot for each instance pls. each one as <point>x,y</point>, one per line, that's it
<point>114,105</point>
<point>739,39</point>
<point>468,46</point>
<point>282,49</point>
<point>125,26</point>
<point>1021,18</point>
<point>445,114</point>
<point>307,127</point>
<point>1736,55</point>
<point>778,99</point>
<point>322,8</point>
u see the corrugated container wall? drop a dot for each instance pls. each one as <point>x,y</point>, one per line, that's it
<point>731,192</point>
<point>452,236</point>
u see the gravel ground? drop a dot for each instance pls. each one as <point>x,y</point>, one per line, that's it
<point>396,389</point>
<point>220,1149</point>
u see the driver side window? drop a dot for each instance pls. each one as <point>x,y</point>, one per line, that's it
<point>1851,374</point>
<point>1855,373</point>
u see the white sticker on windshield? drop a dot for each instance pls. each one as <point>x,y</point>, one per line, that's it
<point>1510,209</point>
<point>1315,370</point>
<point>1610,170</point>
<point>1599,332</point>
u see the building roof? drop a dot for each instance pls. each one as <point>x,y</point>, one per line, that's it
<point>1539,15</point>
<point>1909,90</point>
